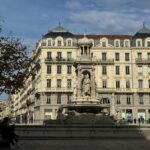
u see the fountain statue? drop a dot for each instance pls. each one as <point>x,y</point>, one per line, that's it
<point>86,86</point>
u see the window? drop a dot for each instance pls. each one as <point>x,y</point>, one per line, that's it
<point>141,101</point>
<point>69,69</point>
<point>49,43</point>
<point>139,44</point>
<point>104,56</point>
<point>127,69</point>
<point>48,98</point>
<point>48,83</point>
<point>69,42</point>
<point>148,56</point>
<point>104,84</point>
<point>140,83</point>
<point>117,84</point>
<point>48,69</point>
<point>139,55</point>
<point>127,56</point>
<point>117,44</point>
<point>59,56</point>
<point>103,44</point>
<point>148,69</point>
<point>118,99</point>
<point>58,69</point>
<point>49,55</point>
<point>58,98</point>
<point>43,43</point>
<point>69,82</point>
<point>148,44</point>
<point>69,98</point>
<point>128,100</point>
<point>140,69</point>
<point>149,83</point>
<point>69,55</point>
<point>118,70</point>
<point>117,56</point>
<point>58,83</point>
<point>128,84</point>
<point>126,43</point>
<point>59,43</point>
<point>104,70</point>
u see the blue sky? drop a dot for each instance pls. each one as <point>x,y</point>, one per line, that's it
<point>30,19</point>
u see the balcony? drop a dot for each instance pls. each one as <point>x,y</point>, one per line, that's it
<point>48,59</point>
<point>142,61</point>
<point>106,61</point>
<point>124,90</point>
<point>56,89</point>
<point>105,90</point>
<point>58,60</point>
<point>93,60</point>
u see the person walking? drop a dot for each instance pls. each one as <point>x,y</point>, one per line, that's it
<point>8,132</point>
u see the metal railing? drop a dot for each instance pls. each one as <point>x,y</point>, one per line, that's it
<point>142,60</point>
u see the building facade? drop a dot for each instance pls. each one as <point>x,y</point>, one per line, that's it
<point>121,69</point>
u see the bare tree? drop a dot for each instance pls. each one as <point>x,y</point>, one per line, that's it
<point>13,64</point>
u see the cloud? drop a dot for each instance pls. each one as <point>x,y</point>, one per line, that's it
<point>44,15</point>
<point>107,22</point>
<point>73,5</point>
<point>141,4</point>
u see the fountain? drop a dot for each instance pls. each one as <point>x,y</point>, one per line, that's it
<point>85,105</point>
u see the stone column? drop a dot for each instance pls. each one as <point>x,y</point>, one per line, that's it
<point>79,81</point>
<point>93,84</point>
<point>112,105</point>
<point>89,52</point>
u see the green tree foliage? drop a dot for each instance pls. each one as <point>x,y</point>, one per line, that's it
<point>13,64</point>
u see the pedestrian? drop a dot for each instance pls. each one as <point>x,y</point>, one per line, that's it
<point>8,132</point>
<point>134,120</point>
<point>139,121</point>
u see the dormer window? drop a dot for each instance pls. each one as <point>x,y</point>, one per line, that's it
<point>126,43</point>
<point>148,44</point>
<point>139,43</point>
<point>69,42</point>
<point>59,43</point>
<point>117,43</point>
<point>49,43</point>
<point>103,44</point>
<point>43,43</point>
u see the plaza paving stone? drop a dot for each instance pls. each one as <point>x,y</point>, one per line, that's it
<point>80,144</point>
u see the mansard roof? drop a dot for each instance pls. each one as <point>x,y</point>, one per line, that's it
<point>96,36</point>
<point>144,32</point>
<point>58,31</point>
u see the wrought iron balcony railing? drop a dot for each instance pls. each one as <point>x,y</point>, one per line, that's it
<point>142,60</point>
<point>59,60</point>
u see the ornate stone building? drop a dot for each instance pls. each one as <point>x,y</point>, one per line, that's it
<point>114,68</point>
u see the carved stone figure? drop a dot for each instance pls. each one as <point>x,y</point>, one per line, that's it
<point>86,86</point>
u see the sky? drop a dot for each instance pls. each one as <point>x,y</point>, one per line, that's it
<point>30,19</point>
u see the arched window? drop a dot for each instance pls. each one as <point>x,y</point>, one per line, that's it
<point>117,43</point>
<point>138,43</point>
<point>126,43</point>
<point>69,42</point>
<point>59,41</point>
<point>49,42</point>
<point>104,42</point>
<point>147,42</point>
<point>43,43</point>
